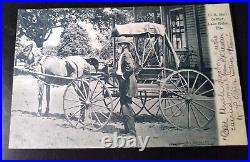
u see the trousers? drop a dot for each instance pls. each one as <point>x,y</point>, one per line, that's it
<point>128,114</point>
<point>126,108</point>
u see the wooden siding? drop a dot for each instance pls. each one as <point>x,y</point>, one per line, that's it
<point>191,30</point>
<point>201,13</point>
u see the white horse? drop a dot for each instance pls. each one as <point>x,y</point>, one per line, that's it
<point>71,66</point>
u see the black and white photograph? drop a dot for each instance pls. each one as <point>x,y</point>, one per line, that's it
<point>126,77</point>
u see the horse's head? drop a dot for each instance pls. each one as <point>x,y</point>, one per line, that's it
<point>26,55</point>
<point>94,62</point>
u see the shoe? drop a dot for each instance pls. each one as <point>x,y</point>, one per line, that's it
<point>123,132</point>
<point>127,133</point>
<point>131,133</point>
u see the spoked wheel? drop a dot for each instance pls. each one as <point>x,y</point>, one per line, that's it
<point>83,103</point>
<point>136,105</point>
<point>187,99</point>
<point>150,98</point>
<point>150,101</point>
<point>113,86</point>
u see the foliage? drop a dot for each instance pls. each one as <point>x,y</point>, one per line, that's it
<point>37,25</point>
<point>148,14</point>
<point>50,50</point>
<point>19,46</point>
<point>74,41</point>
<point>107,50</point>
<point>103,20</point>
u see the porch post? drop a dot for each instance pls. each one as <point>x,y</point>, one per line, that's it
<point>114,45</point>
<point>163,22</point>
<point>199,38</point>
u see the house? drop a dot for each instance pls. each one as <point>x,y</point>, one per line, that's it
<point>186,28</point>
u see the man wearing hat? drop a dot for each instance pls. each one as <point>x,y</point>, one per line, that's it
<point>127,84</point>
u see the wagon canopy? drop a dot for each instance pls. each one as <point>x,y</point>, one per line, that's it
<point>135,29</point>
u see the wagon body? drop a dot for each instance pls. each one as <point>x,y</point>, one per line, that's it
<point>163,89</point>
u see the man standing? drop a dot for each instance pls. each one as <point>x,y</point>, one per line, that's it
<point>127,84</point>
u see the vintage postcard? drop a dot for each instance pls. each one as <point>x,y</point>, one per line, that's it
<point>152,76</point>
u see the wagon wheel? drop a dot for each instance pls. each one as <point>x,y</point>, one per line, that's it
<point>151,98</point>
<point>113,86</point>
<point>187,99</point>
<point>150,102</point>
<point>83,103</point>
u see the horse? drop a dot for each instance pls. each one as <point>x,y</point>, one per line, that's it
<point>25,56</point>
<point>70,66</point>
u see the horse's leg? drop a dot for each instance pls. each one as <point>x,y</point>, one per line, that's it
<point>40,97</point>
<point>47,98</point>
<point>83,107</point>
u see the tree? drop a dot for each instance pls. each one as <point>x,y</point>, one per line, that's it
<point>74,41</point>
<point>148,14</point>
<point>103,20</point>
<point>37,24</point>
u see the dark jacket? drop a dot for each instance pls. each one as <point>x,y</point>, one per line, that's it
<point>128,87</point>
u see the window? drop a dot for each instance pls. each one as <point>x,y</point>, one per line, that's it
<point>178,28</point>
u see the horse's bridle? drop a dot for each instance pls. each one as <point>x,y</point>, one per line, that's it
<point>26,57</point>
<point>30,59</point>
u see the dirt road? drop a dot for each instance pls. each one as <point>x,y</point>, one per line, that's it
<point>29,131</point>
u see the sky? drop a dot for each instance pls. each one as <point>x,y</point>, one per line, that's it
<point>54,38</point>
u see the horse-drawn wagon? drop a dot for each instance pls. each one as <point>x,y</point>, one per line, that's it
<point>183,97</point>
<point>169,88</point>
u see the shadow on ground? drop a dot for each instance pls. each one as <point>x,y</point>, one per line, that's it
<point>34,114</point>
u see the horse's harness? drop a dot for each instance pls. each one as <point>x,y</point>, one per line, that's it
<point>31,57</point>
